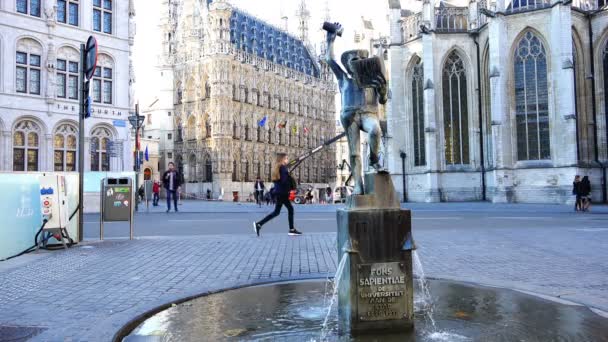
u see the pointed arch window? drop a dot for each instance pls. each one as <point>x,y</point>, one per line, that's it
<point>246,171</point>
<point>209,170</point>
<point>418,114</point>
<point>65,147</point>
<point>100,159</point>
<point>531,99</point>
<point>235,170</point>
<point>455,111</point>
<point>26,146</point>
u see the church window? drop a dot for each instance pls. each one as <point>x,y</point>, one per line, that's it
<point>418,114</point>
<point>455,111</point>
<point>531,99</point>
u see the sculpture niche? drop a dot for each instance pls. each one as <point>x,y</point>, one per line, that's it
<point>374,233</point>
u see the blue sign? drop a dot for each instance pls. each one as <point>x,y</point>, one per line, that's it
<point>119,123</point>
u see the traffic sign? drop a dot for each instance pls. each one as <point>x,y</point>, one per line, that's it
<point>88,107</point>
<point>90,57</point>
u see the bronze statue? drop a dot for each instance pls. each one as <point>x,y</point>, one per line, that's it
<point>362,87</point>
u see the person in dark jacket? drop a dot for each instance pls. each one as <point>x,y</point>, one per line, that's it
<point>259,189</point>
<point>576,189</point>
<point>172,183</point>
<point>585,193</point>
<point>282,186</point>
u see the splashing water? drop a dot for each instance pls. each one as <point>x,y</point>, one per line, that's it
<point>424,299</point>
<point>334,296</point>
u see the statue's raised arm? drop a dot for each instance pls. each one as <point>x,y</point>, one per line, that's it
<point>333,30</point>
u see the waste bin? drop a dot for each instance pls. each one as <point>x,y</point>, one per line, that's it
<point>235,196</point>
<point>117,199</point>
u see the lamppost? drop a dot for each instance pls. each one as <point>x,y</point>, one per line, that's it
<point>137,122</point>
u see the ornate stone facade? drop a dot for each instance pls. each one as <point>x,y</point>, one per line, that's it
<point>242,90</point>
<point>502,101</point>
<point>39,83</point>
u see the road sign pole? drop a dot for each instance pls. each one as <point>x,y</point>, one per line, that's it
<point>81,133</point>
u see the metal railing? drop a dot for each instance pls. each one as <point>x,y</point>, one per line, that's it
<point>526,5</point>
<point>452,19</point>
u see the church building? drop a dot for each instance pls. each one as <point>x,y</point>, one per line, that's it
<point>502,101</point>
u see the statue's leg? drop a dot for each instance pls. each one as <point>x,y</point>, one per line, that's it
<point>371,125</point>
<point>351,127</point>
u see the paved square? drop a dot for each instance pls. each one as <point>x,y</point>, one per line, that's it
<point>89,292</point>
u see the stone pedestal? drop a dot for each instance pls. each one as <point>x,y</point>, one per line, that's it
<point>376,287</point>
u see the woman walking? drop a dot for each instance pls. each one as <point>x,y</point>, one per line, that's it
<point>585,193</point>
<point>282,186</point>
<point>576,189</point>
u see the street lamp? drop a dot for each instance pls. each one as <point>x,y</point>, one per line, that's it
<point>137,122</point>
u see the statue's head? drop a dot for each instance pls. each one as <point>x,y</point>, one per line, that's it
<point>352,55</point>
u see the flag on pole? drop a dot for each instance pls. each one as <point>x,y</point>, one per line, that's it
<point>146,154</point>
<point>282,124</point>
<point>262,122</point>
<point>294,130</point>
<point>306,130</point>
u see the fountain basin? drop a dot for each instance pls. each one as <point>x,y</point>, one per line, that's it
<point>296,311</point>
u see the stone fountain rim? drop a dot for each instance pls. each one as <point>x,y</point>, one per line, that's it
<point>133,323</point>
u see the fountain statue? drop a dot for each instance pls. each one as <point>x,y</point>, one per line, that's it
<point>374,234</point>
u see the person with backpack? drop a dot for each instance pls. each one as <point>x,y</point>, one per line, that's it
<point>283,185</point>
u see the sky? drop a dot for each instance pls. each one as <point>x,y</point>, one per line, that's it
<point>347,12</point>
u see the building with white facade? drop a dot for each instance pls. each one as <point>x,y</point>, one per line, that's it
<point>502,101</point>
<point>39,84</point>
<point>234,91</point>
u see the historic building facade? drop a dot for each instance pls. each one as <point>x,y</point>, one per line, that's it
<point>39,83</point>
<point>235,91</point>
<point>502,101</point>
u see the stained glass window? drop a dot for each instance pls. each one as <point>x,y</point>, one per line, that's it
<point>25,151</point>
<point>100,158</point>
<point>65,148</point>
<point>531,99</point>
<point>455,111</point>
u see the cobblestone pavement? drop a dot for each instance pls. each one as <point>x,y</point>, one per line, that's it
<point>87,293</point>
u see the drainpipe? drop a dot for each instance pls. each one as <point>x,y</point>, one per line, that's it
<point>403,156</point>
<point>594,110</point>
<point>479,109</point>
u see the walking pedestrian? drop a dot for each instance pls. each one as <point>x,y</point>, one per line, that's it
<point>585,192</point>
<point>172,183</point>
<point>283,184</point>
<point>156,191</point>
<point>330,198</point>
<point>576,189</point>
<point>259,191</point>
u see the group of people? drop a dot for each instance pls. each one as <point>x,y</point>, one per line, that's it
<point>581,188</point>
